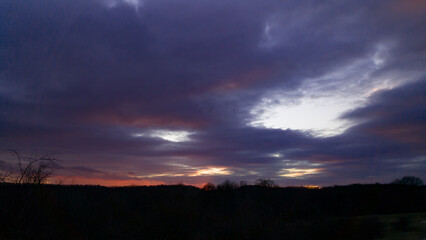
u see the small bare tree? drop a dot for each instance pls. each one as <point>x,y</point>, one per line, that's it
<point>35,170</point>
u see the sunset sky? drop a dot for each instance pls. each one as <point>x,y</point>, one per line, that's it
<point>194,91</point>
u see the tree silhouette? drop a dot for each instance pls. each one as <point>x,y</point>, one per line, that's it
<point>409,180</point>
<point>263,182</point>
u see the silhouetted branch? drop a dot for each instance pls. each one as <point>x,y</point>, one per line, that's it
<point>37,170</point>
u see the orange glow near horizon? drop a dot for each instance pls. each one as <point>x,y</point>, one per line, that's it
<point>312,186</point>
<point>80,180</point>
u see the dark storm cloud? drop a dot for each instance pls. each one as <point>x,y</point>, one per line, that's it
<point>398,115</point>
<point>127,65</point>
<point>83,76</point>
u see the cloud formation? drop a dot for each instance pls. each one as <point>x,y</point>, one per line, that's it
<point>108,83</point>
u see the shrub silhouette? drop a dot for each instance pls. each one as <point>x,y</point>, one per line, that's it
<point>209,187</point>
<point>263,182</point>
<point>227,185</point>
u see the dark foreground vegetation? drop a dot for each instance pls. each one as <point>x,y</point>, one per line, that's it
<point>29,211</point>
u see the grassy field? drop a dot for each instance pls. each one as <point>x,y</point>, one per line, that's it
<point>403,226</point>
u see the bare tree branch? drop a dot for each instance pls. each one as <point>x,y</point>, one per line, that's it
<point>37,169</point>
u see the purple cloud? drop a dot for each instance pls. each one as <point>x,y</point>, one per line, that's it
<point>104,82</point>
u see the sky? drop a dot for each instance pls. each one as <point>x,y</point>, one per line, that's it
<point>134,92</point>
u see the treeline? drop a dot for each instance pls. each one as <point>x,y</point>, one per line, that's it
<point>29,211</point>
